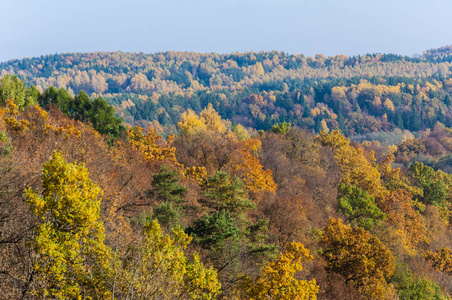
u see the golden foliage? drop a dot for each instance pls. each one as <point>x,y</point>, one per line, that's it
<point>358,256</point>
<point>72,259</point>
<point>233,155</point>
<point>190,122</point>
<point>36,121</point>
<point>356,169</point>
<point>279,281</point>
<point>208,119</point>
<point>197,173</point>
<point>149,144</point>
<point>247,166</point>
<point>401,213</point>
<point>159,269</point>
<point>12,113</point>
<point>441,260</point>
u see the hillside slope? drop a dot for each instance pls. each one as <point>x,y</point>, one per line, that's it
<point>217,212</point>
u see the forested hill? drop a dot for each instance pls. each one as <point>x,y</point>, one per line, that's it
<point>90,209</point>
<point>359,95</point>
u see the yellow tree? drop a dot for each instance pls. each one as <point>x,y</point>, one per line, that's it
<point>441,260</point>
<point>190,122</point>
<point>240,132</point>
<point>158,269</point>
<point>149,144</point>
<point>11,118</point>
<point>236,154</point>
<point>278,280</point>
<point>213,120</point>
<point>356,169</point>
<point>208,119</point>
<point>72,260</point>
<point>358,256</point>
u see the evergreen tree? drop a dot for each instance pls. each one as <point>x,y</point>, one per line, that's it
<point>166,187</point>
<point>102,116</point>
<point>79,108</point>
<point>220,193</point>
<point>358,206</point>
<point>49,96</point>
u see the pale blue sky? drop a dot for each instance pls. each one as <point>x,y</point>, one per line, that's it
<point>37,27</point>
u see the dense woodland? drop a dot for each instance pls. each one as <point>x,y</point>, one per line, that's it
<point>358,95</point>
<point>311,178</point>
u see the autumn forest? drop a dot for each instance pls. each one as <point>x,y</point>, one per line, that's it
<point>268,175</point>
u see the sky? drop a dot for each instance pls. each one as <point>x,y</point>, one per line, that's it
<point>30,28</point>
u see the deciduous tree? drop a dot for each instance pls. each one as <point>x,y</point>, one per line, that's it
<point>358,256</point>
<point>72,259</point>
<point>279,278</point>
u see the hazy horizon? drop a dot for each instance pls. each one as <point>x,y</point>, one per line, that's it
<point>226,53</point>
<point>31,29</point>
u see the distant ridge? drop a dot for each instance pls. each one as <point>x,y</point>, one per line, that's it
<point>360,95</point>
<point>438,52</point>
